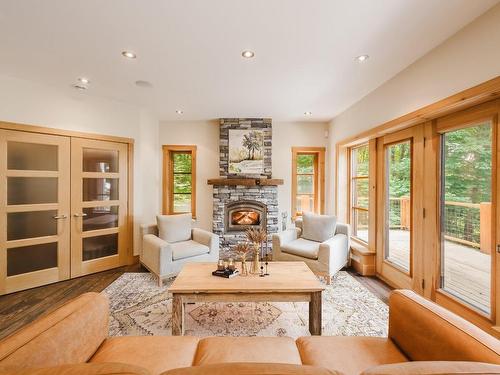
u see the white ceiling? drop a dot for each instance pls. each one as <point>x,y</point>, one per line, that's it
<point>190,50</point>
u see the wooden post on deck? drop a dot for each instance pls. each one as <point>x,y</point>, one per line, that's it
<point>485,227</point>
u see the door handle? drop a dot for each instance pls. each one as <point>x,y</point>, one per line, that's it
<point>59,217</point>
<point>80,215</point>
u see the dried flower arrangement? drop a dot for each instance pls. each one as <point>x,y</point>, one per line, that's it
<point>242,249</point>
<point>257,237</point>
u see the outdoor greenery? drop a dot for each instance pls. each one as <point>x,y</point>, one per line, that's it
<point>182,181</point>
<point>467,166</point>
<point>305,172</point>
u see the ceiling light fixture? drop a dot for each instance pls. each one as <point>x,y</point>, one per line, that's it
<point>248,54</point>
<point>79,86</point>
<point>129,54</point>
<point>307,113</point>
<point>179,112</point>
<point>362,58</point>
<point>83,80</point>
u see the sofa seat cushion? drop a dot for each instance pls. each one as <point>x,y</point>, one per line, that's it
<point>302,248</point>
<point>349,355</point>
<point>81,369</point>
<point>247,349</point>
<point>155,353</point>
<point>434,368</point>
<point>188,249</point>
<point>252,369</point>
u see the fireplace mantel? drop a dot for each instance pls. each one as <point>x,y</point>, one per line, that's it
<point>245,181</point>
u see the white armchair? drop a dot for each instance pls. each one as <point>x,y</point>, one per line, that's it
<point>165,258</point>
<point>324,258</point>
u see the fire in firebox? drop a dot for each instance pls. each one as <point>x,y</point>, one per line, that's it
<point>245,218</point>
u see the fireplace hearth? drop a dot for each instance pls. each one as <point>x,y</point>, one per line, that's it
<point>243,215</point>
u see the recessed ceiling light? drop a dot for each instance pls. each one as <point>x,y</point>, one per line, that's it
<point>179,112</point>
<point>307,113</point>
<point>144,84</point>
<point>84,80</point>
<point>248,54</point>
<point>129,54</point>
<point>79,86</point>
<point>362,58</point>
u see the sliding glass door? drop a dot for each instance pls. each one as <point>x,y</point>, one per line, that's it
<point>400,165</point>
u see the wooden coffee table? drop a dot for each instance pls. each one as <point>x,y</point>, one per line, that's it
<point>287,282</point>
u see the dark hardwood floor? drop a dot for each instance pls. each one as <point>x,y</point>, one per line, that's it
<point>21,308</point>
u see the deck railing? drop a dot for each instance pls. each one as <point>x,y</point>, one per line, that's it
<point>466,223</point>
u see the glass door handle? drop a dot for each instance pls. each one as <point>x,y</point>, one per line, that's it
<point>80,215</point>
<point>59,217</point>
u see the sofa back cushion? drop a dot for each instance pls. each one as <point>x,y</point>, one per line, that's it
<point>70,334</point>
<point>81,369</point>
<point>318,227</point>
<point>174,228</point>
<point>434,368</point>
<point>228,349</point>
<point>252,369</point>
<point>425,331</point>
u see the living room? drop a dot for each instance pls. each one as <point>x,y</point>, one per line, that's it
<point>334,161</point>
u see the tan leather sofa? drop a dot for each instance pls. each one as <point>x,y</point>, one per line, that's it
<point>73,340</point>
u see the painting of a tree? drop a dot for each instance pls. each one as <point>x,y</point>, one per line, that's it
<point>246,154</point>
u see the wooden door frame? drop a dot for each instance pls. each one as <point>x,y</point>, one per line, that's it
<point>388,271</point>
<point>131,258</point>
<point>488,111</point>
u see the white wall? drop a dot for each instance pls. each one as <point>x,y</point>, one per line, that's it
<point>36,104</point>
<point>468,58</point>
<point>205,134</point>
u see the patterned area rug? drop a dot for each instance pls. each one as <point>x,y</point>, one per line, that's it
<point>140,307</point>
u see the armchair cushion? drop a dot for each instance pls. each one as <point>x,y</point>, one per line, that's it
<point>188,249</point>
<point>302,248</point>
<point>318,227</point>
<point>174,228</point>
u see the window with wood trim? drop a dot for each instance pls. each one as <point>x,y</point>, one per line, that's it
<point>179,179</point>
<point>308,180</point>
<point>359,191</point>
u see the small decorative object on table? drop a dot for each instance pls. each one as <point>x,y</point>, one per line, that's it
<point>226,269</point>
<point>257,238</point>
<point>243,249</point>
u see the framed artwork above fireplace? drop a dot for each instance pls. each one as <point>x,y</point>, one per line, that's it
<point>246,151</point>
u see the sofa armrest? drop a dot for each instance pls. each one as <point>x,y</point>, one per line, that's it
<point>425,331</point>
<point>156,254</point>
<point>343,229</point>
<point>280,239</point>
<point>149,229</point>
<point>334,253</point>
<point>206,238</point>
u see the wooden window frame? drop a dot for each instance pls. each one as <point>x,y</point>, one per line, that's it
<point>168,172</point>
<point>319,180</point>
<point>351,179</point>
<point>435,117</point>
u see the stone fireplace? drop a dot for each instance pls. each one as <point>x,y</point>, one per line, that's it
<point>241,201</point>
